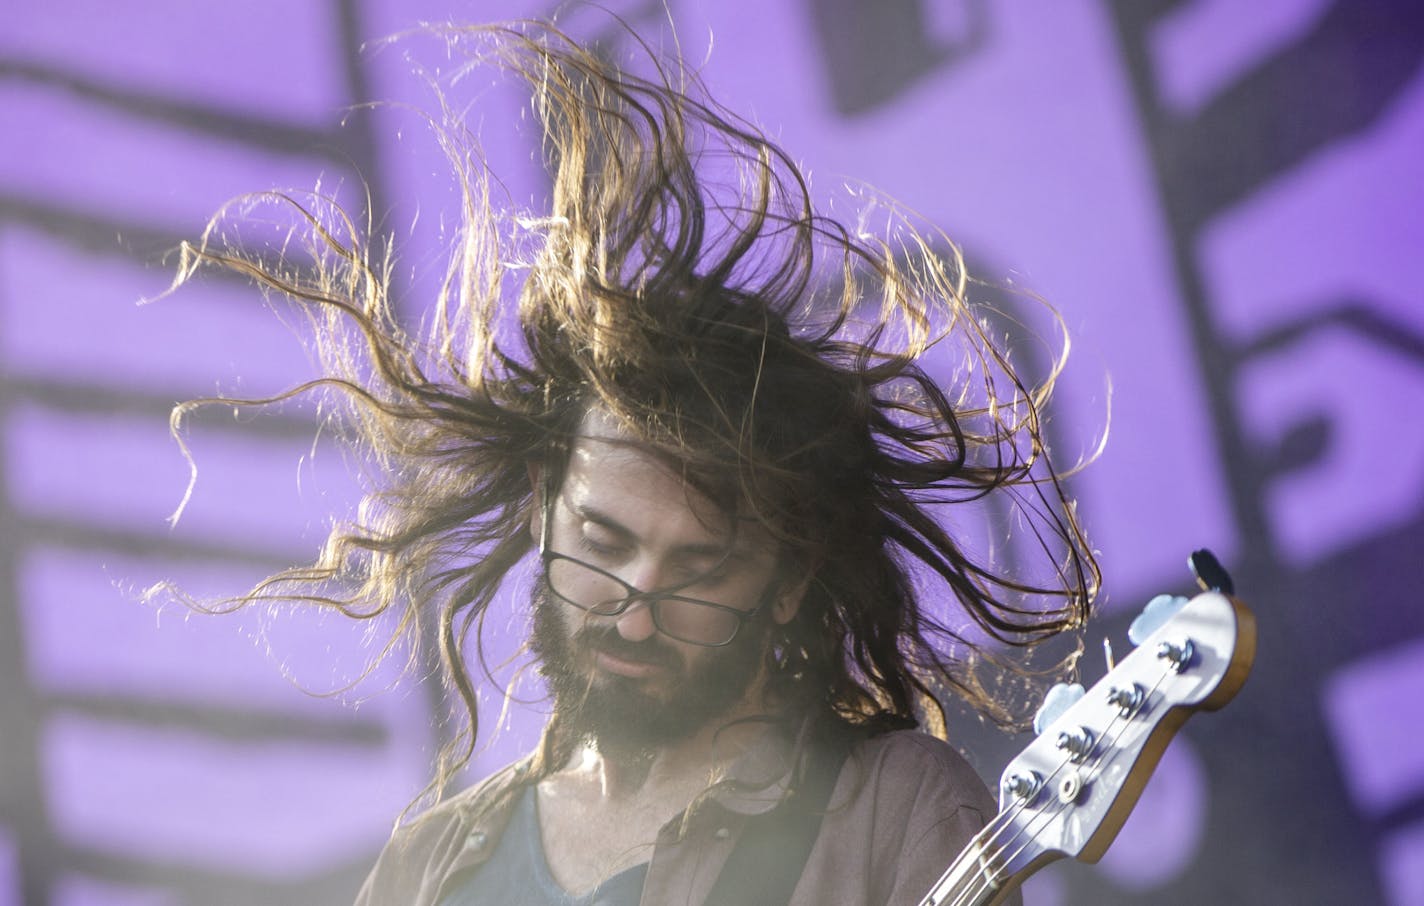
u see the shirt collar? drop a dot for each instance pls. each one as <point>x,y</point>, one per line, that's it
<point>761,777</point>
<point>756,782</point>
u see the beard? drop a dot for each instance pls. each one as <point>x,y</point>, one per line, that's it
<point>621,716</point>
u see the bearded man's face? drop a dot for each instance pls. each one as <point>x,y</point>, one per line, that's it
<point>629,714</point>
<point>655,609</point>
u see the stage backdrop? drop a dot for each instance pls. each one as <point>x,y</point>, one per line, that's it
<point>1224,199</point>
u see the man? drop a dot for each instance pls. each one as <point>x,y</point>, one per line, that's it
<point>733,469</point>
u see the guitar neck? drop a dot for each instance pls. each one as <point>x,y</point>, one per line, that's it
<point>970,881</point>
<point>1068,793</point>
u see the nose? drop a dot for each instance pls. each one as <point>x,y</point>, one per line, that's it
<point>636,623</point>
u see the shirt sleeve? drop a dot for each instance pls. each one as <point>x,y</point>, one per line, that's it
<point>946,805</point>
<point>905,806</point>
<point>419,858</point>
<point>412,864</point>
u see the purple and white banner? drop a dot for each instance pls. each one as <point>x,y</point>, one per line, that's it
<point>1218,197</point>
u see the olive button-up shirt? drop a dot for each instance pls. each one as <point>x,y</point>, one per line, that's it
<point>904,805</point>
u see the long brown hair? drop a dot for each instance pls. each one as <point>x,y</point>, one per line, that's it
<point>682,281</point>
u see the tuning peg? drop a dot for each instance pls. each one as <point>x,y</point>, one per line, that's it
<point>1154,616</point>
<point>1059,699</point>
<point>1078,743</point>
<point>1211,575</point>
<point>1023,787</point>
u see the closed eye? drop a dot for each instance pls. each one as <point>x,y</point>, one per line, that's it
<point>704,576</point>
<point>599,549</point>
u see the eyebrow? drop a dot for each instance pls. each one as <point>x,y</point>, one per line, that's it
<point>695,549</point>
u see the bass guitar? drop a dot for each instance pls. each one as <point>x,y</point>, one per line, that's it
<point>1069,792</point>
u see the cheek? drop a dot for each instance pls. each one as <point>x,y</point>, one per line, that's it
<point>692,659</point>
<point>557,626</point>
<point>725,664</point>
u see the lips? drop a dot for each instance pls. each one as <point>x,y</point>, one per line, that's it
<point>633,669</point>
<point>634,662</point>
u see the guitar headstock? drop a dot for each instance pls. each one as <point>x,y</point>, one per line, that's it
<point>1069,792</point>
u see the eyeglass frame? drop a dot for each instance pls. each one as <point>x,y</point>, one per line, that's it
<point>636,595</point>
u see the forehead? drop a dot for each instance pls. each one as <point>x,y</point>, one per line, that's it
<point>611,472</point>
<point>606,461</point>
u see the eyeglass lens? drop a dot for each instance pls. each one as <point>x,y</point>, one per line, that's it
<point>683,619</point>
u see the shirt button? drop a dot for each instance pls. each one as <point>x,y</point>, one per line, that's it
<point>722,833</point>
<point>476,841</point>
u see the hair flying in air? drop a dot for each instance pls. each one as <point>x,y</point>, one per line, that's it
<point>832,381</point>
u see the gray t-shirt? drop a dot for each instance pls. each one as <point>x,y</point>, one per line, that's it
<point>517,873</point>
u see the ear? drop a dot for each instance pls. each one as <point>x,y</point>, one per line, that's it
<point>788,601</point>
<point>536,511</point>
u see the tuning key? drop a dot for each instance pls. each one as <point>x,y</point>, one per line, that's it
<point>1128,700</point>
<point>1077,743</point>
<point>1023,787</point>
<point>1058,700</point>
<point>1210,574</point>
<point>1178,656</point>
<point>1158,613</point>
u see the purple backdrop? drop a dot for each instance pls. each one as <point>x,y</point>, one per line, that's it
<point>1217,196</point>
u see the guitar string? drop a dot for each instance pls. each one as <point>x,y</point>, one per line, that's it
<point>986,837</point>
<point>997,825</point>
<point>979,842</point>
<point>1106,742</point>
<point>1018,807</point>
<point>1101,747</point>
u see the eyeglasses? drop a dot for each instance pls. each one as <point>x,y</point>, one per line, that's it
<point>691,620</point>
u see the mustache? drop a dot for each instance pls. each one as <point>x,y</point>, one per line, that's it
<point>607,640</point>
